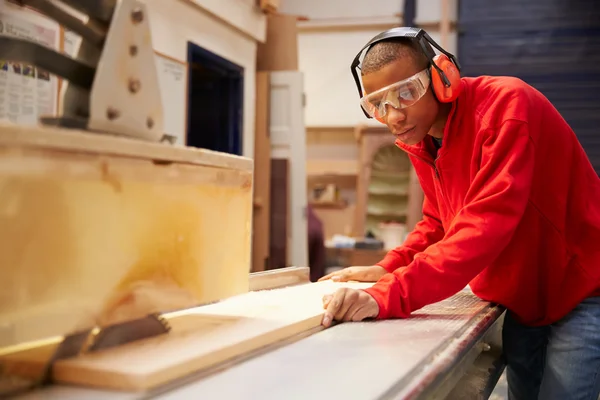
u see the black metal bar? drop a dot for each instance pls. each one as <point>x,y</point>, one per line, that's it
<point>129,331</point>
<point>92,31</point>
<point>26,51</point>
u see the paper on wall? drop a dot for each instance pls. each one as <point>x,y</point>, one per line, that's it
<point>27,92</point>
<point>172,81</point>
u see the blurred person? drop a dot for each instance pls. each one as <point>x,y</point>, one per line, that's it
<point>316,246</point>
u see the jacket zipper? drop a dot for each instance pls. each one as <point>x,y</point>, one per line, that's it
<point>438,177</point>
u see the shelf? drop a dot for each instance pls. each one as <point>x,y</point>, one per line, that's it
<point>331,167</point>
<point>341,204</point>
<point>404,175</point>
<point>390,193</point>
<point>345,181</point>
<point>391,214</point>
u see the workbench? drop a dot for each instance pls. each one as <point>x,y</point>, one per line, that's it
<point>451,349</point>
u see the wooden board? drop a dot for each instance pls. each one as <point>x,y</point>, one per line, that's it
<point>262,176</point>
<point>204,338</point>
<point>278,278</point>
<point>95,229</point>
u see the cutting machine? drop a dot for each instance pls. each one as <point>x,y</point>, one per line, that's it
<point>112,240</point>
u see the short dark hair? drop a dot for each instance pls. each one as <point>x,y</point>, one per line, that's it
<point>385,52</point>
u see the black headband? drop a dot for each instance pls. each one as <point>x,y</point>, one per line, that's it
<point>415,34</point>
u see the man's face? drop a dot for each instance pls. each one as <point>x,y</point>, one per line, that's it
<point>410,125</point>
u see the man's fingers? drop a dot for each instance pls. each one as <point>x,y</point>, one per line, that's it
<point>344,275</point>
<point>328,276</point>
<point>326,300</point>
<point>333,307</point>
<point>349,299</point>
<point>354,308</point>
<point>341,277</point>
<point>336,276</point>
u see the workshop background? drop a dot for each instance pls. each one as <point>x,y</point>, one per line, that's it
<point>270,80</point>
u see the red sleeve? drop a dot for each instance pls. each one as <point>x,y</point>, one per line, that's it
<point>427,232</point>
<point>482,228</point>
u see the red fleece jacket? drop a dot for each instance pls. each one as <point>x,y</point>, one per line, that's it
<point>512,207</point>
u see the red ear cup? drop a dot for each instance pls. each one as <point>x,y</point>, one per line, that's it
<point>443,93</point>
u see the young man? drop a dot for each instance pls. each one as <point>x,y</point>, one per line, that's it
<point>511,207</point>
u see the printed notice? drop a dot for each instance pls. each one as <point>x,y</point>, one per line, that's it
<point>172,81</point>
<point>27,92</point>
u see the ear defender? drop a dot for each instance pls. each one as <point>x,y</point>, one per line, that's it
<point>445,94</point>
<point>446,87</point>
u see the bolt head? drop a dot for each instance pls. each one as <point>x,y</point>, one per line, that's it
<point>134,85</point>
<point>112,113</point>
<point>137,16</point>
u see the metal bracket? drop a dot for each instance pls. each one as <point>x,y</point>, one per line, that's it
<point>112,84</point>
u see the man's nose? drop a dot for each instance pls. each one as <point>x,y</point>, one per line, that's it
<point>395,116</point>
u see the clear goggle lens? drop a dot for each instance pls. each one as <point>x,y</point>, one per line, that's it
<point>398,95</point>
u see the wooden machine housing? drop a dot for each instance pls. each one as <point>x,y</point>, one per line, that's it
<point>96,229</point>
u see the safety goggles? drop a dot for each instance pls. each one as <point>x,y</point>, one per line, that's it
<point>399,95</point>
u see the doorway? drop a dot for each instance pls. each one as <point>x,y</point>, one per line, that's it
<point>215,98</point>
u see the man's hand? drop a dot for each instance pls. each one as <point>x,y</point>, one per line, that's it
<point>360,274</point>
<point>349,305</point>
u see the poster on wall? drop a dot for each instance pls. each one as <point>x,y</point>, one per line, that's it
<point>27,92</point>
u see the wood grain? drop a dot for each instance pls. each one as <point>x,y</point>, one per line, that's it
<point>262,176</point>
<point>203,338</point>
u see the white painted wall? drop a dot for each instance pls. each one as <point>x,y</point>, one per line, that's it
<point>325,54</point>
<point>228,28</point>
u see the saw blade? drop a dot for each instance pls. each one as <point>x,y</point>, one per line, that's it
<point>129,331</point>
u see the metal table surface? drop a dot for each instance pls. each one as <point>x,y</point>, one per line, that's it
<point>367,360</point>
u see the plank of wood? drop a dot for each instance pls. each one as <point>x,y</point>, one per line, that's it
<point>204,337</point>
<point>262,176</point>
<point>94,143</point>
<point>30,360</point>
<point>278,278</point>
<point>93,230</point>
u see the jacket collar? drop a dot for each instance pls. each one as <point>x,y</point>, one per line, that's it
<point>425,148</point>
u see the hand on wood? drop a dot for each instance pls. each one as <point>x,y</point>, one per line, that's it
<point>349,305</point>
<point>359,274</point>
